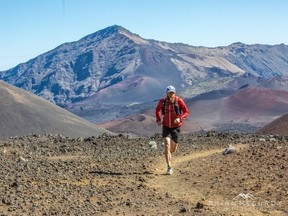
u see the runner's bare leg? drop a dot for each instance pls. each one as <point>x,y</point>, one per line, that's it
<point>173,146</point>
<point>167,151</point>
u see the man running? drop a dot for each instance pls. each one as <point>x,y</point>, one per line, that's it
<point>173,111</point>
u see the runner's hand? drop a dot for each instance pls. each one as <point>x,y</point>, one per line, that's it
<point>159,123</point>
<point>177,120</point>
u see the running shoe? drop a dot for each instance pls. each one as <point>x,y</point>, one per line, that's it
<point>169,171</point>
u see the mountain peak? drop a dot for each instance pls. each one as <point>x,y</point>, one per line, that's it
<point>121,30</point>
<point>106,31</point>
<point>117,29</point>
<point>114,28</point>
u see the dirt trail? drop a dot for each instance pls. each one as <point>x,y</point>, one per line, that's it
<point>180,185</point>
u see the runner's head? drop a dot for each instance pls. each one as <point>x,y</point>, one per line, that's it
<point>170,91</point>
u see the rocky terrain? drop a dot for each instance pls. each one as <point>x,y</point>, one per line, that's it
<point>121,175</point>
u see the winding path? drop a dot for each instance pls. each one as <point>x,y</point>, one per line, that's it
<point>192,193</point>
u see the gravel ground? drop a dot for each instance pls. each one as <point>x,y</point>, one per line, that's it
<point>109,175</point>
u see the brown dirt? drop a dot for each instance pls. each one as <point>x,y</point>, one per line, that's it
<point>56,175</point>
<point>214,183</point>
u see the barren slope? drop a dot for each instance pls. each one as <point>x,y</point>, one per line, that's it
<point>278,126</point>
<point>23,113</point>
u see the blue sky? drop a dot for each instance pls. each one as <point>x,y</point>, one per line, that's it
<point>32,27</point>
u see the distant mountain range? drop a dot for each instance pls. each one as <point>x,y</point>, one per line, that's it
<point>114,73</point>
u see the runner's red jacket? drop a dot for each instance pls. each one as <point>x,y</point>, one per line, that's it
<point>170,114</point>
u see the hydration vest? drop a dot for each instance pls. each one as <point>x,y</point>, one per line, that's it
<point>177,110</point>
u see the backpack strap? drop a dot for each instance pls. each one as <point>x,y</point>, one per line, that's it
<point>163,106</point>
<point>176,106</point>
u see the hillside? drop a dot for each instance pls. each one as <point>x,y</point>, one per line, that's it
<point>277,127</point>
<point>23,113</point>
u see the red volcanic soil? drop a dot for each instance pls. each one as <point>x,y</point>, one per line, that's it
<point>279,126</point>
<point>143,125</point>
<point>250,106</point>
<point>259,101</point>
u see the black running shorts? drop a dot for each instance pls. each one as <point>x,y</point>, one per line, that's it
<point>173,132</point>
